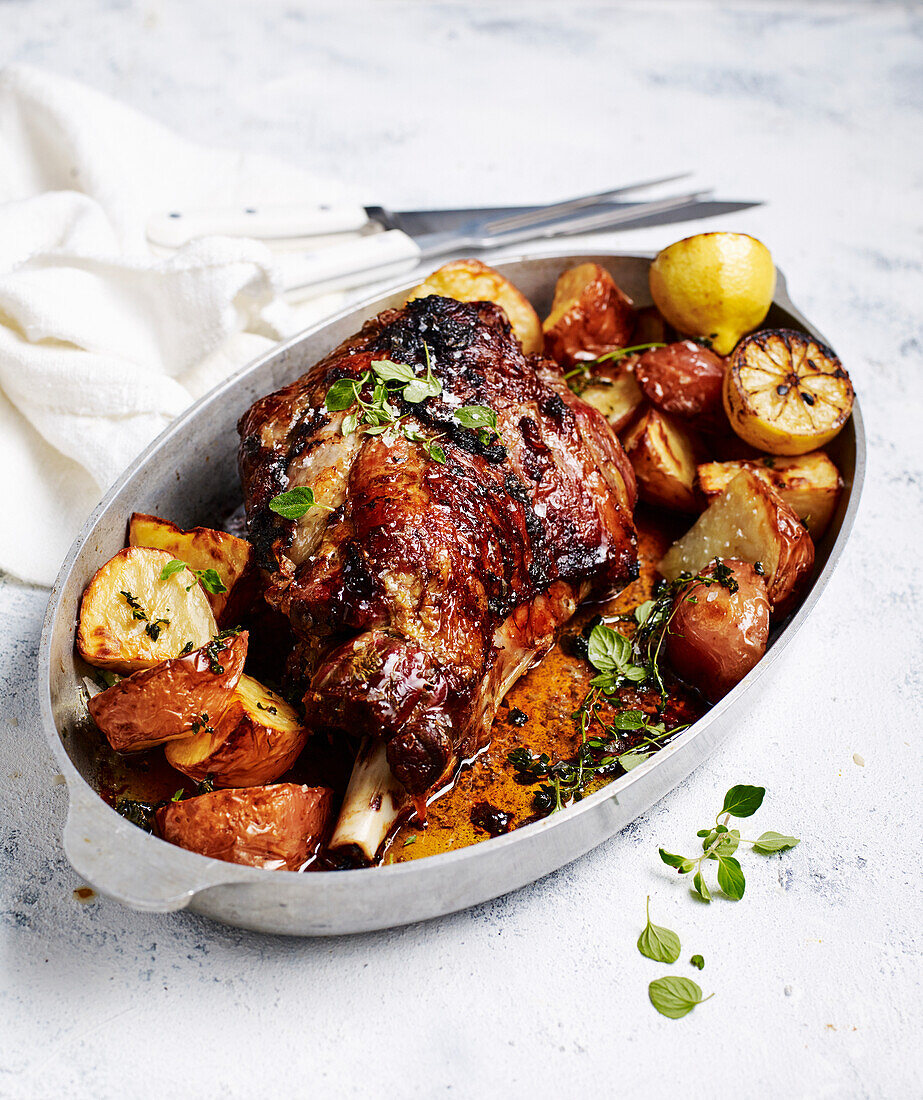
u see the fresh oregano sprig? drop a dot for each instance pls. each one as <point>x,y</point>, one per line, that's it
<point>719,843</point>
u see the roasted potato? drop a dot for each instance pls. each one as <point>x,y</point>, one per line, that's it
<point>203,548</point>
<point>256,739</point>
<point>589,317</point>
<point>651,328</point>
<point>718,631</point>
<point>751,522</point>
<point>662,453</point>
<point>809,484</point>
<point>167,701</point>
<point>130,618</point>
<point>472,281</point>
<point>278,828</point>
<point>683,379</point>
<point>613,390</point>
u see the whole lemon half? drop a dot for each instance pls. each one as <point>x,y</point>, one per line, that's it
<point>715,286</point>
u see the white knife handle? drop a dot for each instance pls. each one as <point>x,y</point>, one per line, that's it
<point>352,263</point>
<point>175,228</point>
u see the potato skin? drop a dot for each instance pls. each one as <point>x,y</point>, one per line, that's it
<point>161,703</point>
<point>247,746</point>
<point>278,827</point>
<point>715,641</point>
<point>590,316</point>
<point>685,380</point>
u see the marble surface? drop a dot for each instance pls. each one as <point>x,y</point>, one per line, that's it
<point>814,108</point>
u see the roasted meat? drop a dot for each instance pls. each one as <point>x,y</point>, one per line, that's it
<point>420,589</point>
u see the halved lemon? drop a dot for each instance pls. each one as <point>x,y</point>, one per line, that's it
<point>786,393</point>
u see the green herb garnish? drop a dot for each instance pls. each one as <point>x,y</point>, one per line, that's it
<point>719,843</point>
<point>476,416</point>
<point>294,503</point>
<point>374,413</point>
<point>657,943</point>
<point>675,997</point>
<point>698,962</point>
<point>151,629</point>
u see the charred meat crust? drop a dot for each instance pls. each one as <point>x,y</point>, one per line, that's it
<point>405,593</point>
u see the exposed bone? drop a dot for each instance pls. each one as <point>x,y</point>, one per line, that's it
<point>373,801</point>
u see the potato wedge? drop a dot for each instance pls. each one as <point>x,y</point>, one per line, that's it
<point>203,548</point>
<point>751,522</point>
<point>613,390</point>
<point>717,635</point>
<point>662,453</point>
<point>256,739</point>
<point>131,619</point>
<point>472,281</point>
<point>809,484</point>
<point>589,317</point>
<point>685,380</point>
<point>278,828</point>
<point>167,701</point>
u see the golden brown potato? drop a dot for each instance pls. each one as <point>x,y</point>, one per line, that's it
<point>809,484</point>
<point>589,317</point>
<point>663,455</point>
<point>472,281</point>
<point>683,379</point>
<point>613,390</point>
<point>130,618</point>
<point>203,548</point>
<point>278,828</point>
<point>167,701</point>
<point>255,740</point>
<point>719,631</point>
<point>748,521</point>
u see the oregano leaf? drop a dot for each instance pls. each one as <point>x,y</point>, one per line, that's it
<point>731,877</point>
<point>658,943</point>
<point>743,800</point>
<point>698,884</point>
<point>675,997</point>
<point>774,842</point>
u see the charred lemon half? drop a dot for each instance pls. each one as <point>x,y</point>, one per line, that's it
<point>786,393</point>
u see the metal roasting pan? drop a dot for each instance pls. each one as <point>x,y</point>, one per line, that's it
<point>189,475</point>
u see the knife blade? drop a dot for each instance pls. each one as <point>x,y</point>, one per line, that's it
<point>379,256</point>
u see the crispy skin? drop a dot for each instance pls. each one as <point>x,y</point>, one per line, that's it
<point>277,827</point>
<point>430,587</point>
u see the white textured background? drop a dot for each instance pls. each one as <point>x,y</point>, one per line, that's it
<point>813,107</point>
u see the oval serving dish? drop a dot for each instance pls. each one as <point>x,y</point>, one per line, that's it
<point>190,474</point>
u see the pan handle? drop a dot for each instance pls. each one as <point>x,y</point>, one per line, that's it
<point>124,862</point>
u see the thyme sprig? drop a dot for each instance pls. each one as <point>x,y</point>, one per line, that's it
<point>620,662</point>
<point>586,369</point>
<point>152,627</point>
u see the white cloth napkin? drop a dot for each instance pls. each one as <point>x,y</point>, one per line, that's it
<point>102,342</point>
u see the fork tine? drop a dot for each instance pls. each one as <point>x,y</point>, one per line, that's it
<point>597,220</point>
<point>533,217</point>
